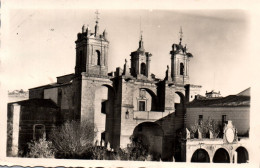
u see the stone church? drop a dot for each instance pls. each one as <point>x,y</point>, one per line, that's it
<point>129,101</point>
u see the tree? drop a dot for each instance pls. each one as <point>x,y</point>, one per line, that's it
<point>41,149</point>
<point>205,127</point>
<point>136,150</point>
<point>73,138</point>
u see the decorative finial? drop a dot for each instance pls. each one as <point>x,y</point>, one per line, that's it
<point>96,27</point>
<point>97,18</point>
<point>181,34</point>
<point>83,28</point>
<point>141,31</point>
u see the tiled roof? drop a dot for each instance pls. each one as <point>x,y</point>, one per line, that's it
<point>37,103</point>
<point>229,101</point>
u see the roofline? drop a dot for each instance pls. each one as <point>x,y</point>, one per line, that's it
<point>47,85</point>
<point>50,86</point>
<point>65,75</point>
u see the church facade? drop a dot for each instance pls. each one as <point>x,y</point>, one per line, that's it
<point>129,101</point>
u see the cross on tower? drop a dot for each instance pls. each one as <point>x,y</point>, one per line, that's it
<point>181,34</point>
<point>141,35</point>
<point>141,31</point>
<point>97,18</point>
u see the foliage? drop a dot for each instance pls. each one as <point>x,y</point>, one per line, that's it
<point>136,150</point>
<point>99,153</point>
<point>205,127</point>
<point>73,138</point>
<point>9,137</point>
<point>41,149</point>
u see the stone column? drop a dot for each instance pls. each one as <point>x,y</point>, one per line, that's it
<point>16,122</point>
<point>235,157</point>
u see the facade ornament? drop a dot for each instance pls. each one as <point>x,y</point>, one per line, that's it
<point>229,133</point>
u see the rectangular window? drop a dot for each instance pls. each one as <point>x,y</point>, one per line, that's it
<point>200,119</point>
<point>141,105</point>
<point>103,106</point>
<point>38,131</point>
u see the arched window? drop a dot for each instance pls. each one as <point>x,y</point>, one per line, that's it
<point>181,69</point>
<point>143,69</point>
<point>98,57</point>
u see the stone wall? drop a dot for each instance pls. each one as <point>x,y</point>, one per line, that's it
<point>238,115</point>
<point>36,93</point>
<point>212,145</point>
<point>23,119</point>
<point>93,92</point>
<point>51,93</point>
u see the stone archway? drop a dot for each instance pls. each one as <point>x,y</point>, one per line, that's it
<point>200,155</point>
<point>152,135</point>
<point>221,156</point>
<point>154,99</point>
<point>242,155</point>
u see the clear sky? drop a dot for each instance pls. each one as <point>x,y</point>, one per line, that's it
<point>41,44</point>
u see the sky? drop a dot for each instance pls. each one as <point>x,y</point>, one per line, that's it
<point>41,44</point>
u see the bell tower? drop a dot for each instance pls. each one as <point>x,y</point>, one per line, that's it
<point>92,51</point>
<point>140,61</point>
<point>180,58</point>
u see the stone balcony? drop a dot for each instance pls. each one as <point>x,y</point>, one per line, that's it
<point>149,115</point>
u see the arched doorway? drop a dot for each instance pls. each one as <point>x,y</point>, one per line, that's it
<point>221,156</point>
<point>242,155</point>
<point>200,155</point>
<point>151,134</point>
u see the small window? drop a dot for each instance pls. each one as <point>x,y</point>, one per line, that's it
<point>141,105</point>
<point>39,131</point>
<point>103,107</point>
<point>200,119</point>
<point>143,69</point>
<point>181,69</point>
<point>224,119</point>
<point>98,57</point>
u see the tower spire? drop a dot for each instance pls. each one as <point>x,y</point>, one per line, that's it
<point>141,47</point>
<point>181,34</point>
<point>96,27</point>
<point>97,18</point>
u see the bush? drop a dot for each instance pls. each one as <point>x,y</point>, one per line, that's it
<point>136,150</point>
<point>73,138</point>
<point>41,149</point>
<point>205,127</point>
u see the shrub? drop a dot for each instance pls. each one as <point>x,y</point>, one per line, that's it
<point>136,150</point>
<point>205,127</point>
<point>73,138</point>
<point>41,149</point>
